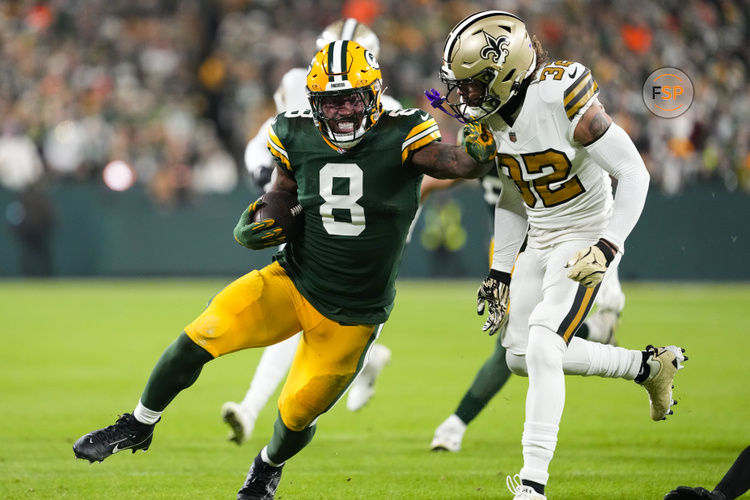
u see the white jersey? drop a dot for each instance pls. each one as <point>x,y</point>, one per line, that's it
<point>290,95</point>
<point>567,196</point>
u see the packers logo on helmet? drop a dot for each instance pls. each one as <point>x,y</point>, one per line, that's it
<point>344,87</point>
<point>490,51</point>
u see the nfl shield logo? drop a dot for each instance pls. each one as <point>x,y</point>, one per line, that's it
<point>512,136</point>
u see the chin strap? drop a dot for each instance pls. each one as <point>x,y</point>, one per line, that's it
<point>437,100</point>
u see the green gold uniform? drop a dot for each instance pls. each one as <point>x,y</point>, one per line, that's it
<point>357,207</point>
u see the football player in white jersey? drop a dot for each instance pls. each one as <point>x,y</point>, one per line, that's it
<point>600,326</point>
<point>556,148</point>
<point>277,358</point>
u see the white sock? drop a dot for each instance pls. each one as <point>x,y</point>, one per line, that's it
<point>146,416</point>
<point>264,457</point>
<point>539,442</point>
<point>585,357</point>
<point>271,370</point>
<point>544,402</point>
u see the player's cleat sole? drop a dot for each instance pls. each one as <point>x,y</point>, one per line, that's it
<point>240,423</point>
<point>125,434</point>
<point>261,482</point>
<point>664,362</point>
<point>449,435</point>
<point>363,387</point>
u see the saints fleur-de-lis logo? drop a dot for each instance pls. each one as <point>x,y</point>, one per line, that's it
<point>496,48</point>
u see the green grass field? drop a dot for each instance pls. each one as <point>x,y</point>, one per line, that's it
<point>77,353</point>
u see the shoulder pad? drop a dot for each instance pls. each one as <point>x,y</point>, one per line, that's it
<point>566,81</point>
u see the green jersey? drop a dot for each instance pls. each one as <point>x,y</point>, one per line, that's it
<point>357,205</point>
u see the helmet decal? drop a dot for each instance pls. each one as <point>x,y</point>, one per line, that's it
<point>496,48</point>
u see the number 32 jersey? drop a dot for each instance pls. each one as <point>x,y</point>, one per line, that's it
<point>357,205</point>
<point>566,194</point>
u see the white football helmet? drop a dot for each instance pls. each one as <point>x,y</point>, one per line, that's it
<point>350,29</point>
<point>490,49</point>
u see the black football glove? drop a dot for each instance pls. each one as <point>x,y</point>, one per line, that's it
<point>687,493</point>
<point>495,290</point>
<point>257,235</point>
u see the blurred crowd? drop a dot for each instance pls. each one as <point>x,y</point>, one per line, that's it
<point>165,94</point>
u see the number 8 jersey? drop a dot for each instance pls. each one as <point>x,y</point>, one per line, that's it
<point>357,205</point>
<point>565,193</point>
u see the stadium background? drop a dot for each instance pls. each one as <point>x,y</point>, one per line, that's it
<point>159,99</point>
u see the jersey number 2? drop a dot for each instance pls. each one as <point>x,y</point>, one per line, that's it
<point>345,173</point>
<point>554,188</point>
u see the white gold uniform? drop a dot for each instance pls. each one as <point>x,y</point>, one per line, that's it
<point>566,200</point>
<point>558,191</point>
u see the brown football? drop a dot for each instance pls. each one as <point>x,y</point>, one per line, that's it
<point>283,207</point>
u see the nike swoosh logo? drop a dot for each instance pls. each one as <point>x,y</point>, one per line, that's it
<point>573,73</point>
<point>117,446</point>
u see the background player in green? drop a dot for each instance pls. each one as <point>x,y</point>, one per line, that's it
<point>356,171</point>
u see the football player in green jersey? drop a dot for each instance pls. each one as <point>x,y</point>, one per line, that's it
<point>356,171</point>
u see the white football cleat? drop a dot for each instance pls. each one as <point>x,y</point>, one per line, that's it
<point>363,386</point>
<point>449,434</point>
<point>602,325</point>
<point>240,422</point>
<point>520,491</point>
<point>664,363</point>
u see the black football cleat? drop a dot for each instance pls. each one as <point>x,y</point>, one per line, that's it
<point>126,434</point>
<point>262,481</point>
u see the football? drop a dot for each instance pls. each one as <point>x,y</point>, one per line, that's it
<point>283,207</point>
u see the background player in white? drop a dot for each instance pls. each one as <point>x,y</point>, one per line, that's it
<point>556,148</point>
<point>277,358</point>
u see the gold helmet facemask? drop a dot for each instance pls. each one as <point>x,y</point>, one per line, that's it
<point>344,73</point>
<point>489,54</point>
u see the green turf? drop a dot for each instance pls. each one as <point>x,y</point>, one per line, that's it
<point>75,353</point>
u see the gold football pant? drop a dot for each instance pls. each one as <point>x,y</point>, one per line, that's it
<point>263,308</point>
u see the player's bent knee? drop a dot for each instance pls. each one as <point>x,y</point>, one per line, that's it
<point>298,409</point>
<point>516,363</point>
<point>545,350</point>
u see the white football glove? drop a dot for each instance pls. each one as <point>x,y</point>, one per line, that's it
<point>589,265</point>
<point>495,290</point>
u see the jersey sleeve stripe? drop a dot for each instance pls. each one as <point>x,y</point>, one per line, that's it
<point>421,127</point>
<point>589,92</point>
<point>579,94</point>
<point>574,89</point>
<point>276,149</point>
<point>419,132</point>
<point>420,140</point>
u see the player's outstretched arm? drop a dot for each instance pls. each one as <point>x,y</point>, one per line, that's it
<point>448,161</point>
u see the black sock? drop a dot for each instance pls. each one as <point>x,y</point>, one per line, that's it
<point>538,487</point>
<point>737,479</point>
<point>645,370</point>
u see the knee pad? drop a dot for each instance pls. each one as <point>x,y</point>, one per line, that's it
<point>516,363</point>
<point>546,349</point>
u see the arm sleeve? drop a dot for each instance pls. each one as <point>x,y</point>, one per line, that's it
<point>511,226</point>
<point>617,155</point>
